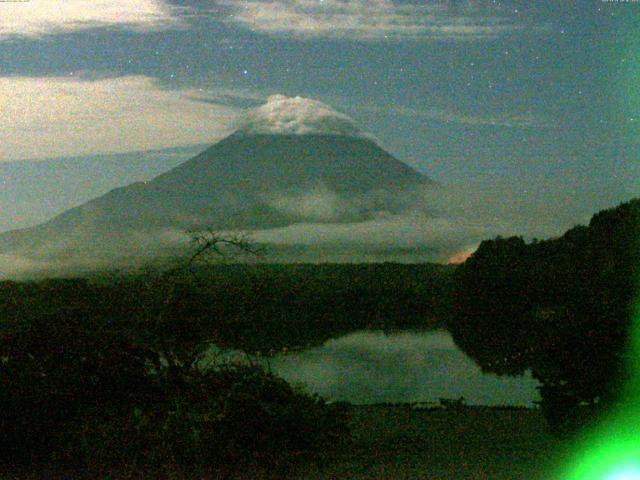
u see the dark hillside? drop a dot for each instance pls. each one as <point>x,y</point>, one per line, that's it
<point>561,307</point>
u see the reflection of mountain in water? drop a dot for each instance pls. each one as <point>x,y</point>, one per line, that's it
<point>370,367</point>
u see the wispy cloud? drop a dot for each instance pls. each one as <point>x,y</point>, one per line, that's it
<point>64,116</point>
<point>230,98</point>
<point>441,220</point>
<point>35,18</point>
<point>407,231</point>
<point>372,19</point>
<point>504,120</point>
<point>527,119</point>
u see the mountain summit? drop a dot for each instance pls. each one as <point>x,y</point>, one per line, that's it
<point>297,116</point>
<point>292,160</point>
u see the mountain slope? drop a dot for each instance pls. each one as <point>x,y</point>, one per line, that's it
<point>241,182</point>
<point>31,192</point>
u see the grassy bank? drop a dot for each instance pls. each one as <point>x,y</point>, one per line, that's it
<point>469,443</point>
<point>396,442</point>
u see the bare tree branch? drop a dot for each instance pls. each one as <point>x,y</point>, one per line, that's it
<point>207,242</point>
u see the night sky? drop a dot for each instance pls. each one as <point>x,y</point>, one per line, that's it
<point>528,108</point>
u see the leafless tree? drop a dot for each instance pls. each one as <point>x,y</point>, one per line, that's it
<point>208,244</point>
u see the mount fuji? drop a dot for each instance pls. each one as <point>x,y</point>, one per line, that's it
<point>290,161</point>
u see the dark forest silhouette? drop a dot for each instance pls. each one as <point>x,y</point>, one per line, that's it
<point>561,308</point>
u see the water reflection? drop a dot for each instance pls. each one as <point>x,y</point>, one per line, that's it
<point>371,367</point>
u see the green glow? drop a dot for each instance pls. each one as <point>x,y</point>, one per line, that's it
<point>630,473</point>
<point>611,450</point>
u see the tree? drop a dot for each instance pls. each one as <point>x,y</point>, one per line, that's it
<point>103,377</point>
<point>560,308</point>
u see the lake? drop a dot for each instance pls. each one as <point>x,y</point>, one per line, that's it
<point>373,367</point>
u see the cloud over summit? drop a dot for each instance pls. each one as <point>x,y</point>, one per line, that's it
<point>283,115</point>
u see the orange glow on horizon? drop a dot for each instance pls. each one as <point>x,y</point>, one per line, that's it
<point>460,257</point>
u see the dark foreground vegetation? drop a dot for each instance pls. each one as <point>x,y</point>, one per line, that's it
<point>254,307</point>
<point>562,308</point>
<point>99,375</point>
<point>90,399</point>
<point>396,442</point>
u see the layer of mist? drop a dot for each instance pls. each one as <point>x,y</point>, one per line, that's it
<point>423,224</point>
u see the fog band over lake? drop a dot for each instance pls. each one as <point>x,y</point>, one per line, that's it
<point>371,367</point>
